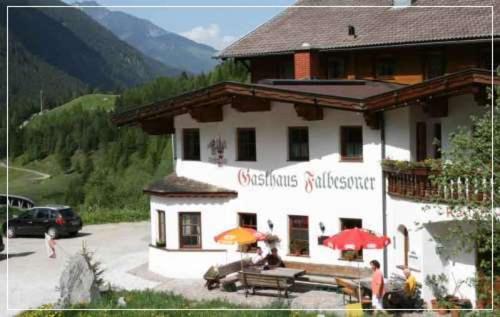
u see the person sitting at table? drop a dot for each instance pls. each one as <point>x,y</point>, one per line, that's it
<point>258,258</point>
<point>273,260</point>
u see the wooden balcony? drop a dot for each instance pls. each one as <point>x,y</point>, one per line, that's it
<point>416,183</point>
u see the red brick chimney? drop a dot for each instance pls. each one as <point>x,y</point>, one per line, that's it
<point>306,64</point>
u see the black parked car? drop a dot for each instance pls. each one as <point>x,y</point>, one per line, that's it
<point>54,220</point>
<point>1,244</point>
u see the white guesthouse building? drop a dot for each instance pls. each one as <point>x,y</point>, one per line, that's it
<point>298,152</point>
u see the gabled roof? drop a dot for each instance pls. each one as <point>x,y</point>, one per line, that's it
<point>326,28</point>
<point>178,186</point>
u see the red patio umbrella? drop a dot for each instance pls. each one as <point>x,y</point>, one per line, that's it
<point>356,239</point>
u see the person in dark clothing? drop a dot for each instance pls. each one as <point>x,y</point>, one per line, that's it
<point>273,260</point>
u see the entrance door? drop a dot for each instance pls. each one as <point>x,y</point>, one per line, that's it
<point>421,141</point>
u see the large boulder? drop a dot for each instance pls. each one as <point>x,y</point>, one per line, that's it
<point>78,283</point>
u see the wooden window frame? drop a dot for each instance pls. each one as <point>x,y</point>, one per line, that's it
<point>438,136</point>
<point>421,141</point>
<point>343,59</point>
<point>378,61</point>
<point>343,253</point>
<point>162,230</point>
<point>184,144</point>
<point>199,245</point>
<point>343,156</point>
<point>252,247</point>
<point>426,63</point>
<point>238,154</point>
<point>290,235</point>
<point>297,159</point>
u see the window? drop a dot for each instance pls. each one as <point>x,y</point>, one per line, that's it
<point>434,65</point>
<point>190,230</point>
<point>351,147</point>
<point>161,240</point>
<point>421,141</point>
<point>350,223</point>
<point>437,140</point>
<point>336,67</point>
<point>29,214</point>
<point>299,235</point>
<point>191,144</point>
<point>385,67</point>
<point>248,220</point>
<point>246,144</point>
<point>286,69</point>
<point>298,144</point>
<point>485,59</point>
<point>42,214</point>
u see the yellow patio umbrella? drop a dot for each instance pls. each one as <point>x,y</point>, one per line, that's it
<point>240,236</point>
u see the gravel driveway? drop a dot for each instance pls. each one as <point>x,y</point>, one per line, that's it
<point>33,277</point>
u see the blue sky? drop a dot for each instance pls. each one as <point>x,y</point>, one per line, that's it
<point>217,27</point>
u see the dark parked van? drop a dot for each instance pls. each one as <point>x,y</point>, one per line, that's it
<point>54,220</point>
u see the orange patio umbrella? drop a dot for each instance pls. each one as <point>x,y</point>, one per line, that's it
<point>240,236</point>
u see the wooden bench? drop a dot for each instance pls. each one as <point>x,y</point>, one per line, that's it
<point>222,275</point>
<point>252,280</point>
<point>351,289</point>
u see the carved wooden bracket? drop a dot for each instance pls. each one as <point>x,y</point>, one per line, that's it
<point>309,112</point>
<point>250,104</point>
<point>207,114</point>
<point>158,126</point>
<point>373,119</point>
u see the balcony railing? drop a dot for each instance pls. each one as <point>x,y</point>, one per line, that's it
<point>417,183</point>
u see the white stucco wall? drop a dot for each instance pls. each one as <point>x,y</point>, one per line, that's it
<point>274,203</point>
<point>424,224</point>
<point>326,205</point>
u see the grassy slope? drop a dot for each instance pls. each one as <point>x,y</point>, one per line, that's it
<point>88,102</point>
<point>158,300</point>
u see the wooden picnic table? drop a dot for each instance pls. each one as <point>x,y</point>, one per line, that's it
<point>284,272</point>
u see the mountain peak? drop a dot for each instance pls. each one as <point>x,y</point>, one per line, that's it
<point>164,46</point>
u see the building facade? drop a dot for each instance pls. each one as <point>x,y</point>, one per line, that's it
<point>299,151</point>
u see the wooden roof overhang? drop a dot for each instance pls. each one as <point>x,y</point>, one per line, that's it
<point>177,186</point>
<point>228,194</point>
<point>468,81</point>
<point>205,105</point>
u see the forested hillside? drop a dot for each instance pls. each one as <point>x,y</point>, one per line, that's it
<point>105,167</point>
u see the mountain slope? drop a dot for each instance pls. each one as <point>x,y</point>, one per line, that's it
<point>166,47</point>
<point>74,43</point>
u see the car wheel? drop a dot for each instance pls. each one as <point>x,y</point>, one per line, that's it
<point>11,232</point>
<point>52,232</point>
<point>73,233</point>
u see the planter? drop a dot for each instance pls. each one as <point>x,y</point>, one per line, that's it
<point>436,306</point>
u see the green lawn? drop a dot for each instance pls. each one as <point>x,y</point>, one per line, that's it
<point>41,191</point>
<point>157,300</point>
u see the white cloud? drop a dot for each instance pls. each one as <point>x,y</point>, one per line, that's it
<point>210,35</point>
